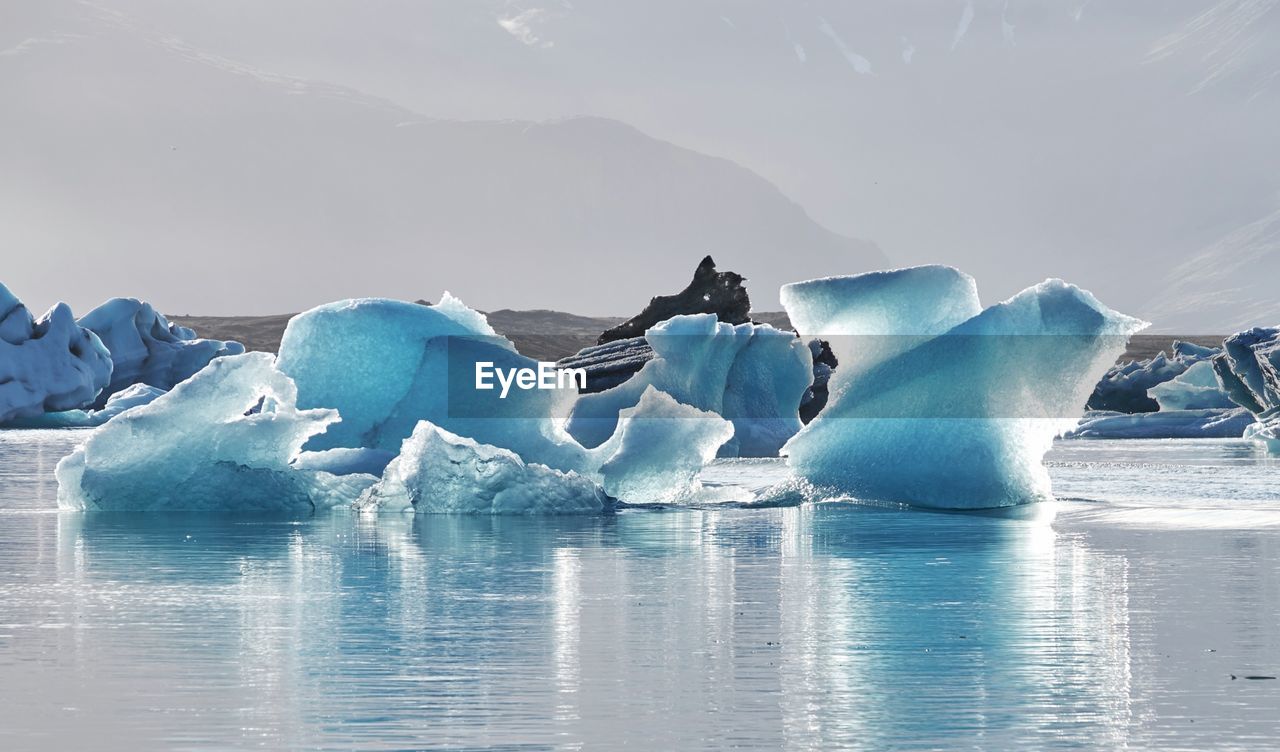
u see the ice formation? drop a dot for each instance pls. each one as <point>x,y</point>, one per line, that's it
<point>221,441</point>
<point>442,472</point>
<point>1249,369</point>
<point>1192,404</point>
<point>1196,388</point>
<point>384,365</point>
<point>134,396</point>
<point>50,365</point>
<point>1165,424</point>
<point>1126,387</point>
<point>659,448</point>
<point>146,348</point>
<point>753,375</point>
<point>940,403</point>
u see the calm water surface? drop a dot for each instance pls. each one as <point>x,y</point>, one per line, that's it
<point>1113,618</point>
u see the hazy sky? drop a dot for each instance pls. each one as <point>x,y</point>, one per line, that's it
<point>1109,143</point>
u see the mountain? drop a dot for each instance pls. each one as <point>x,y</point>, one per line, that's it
<point>138,164</point>
<point>1229,286</point>
<point>1102,142</point>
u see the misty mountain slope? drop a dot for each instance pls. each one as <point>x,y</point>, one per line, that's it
<point>1016,139</point>
<point>138,165</point>
<point>1227,287</point>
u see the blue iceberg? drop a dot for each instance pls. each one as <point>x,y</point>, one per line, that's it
<point>50,365</point>
<point>1249,370</point>
<point>938,402</point>
<point>443,473</point>
<point>385,365</point>
<point>146,348</point>
<point>223,440</point>
<point>753,375</point>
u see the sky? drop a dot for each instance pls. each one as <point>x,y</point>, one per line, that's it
<point>256,157</point>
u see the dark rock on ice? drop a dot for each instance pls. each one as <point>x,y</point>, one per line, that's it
<point>710,291</point>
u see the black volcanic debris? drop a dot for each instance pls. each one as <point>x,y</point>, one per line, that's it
<point>610,364</point>
<point>710,291</point>
<point>815,397</point>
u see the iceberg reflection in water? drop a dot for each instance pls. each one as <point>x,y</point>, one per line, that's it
<point>806,627</point>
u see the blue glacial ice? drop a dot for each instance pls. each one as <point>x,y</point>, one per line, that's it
<point>384,365</point>
<point>1126,387</point>
<point>146,348</point>
<point>753,375</point>
<point>134,396</point>
<point>441,472</point>
<point>1249,370</point>
<point>50,365</point>
<point>938,402</point>
<point>1192,404</point>
<point>1164,424</point>
<point>221,441</point>
<point>658,450</point>
<point>654,457</point>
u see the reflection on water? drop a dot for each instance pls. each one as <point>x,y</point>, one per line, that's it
<point>811,627</point>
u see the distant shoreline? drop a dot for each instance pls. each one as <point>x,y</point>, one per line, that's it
<point>551,335</point>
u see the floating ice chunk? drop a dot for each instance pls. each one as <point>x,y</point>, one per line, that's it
<point>134,396</point>
<point>221,441</point>
<point>658,450</point>
<point>753,375</point>
<point>385,365</point>
<point>960,420</point>
<point>1196,388</point>
<point>1126,387</point>
<point>440,472</point>
<point>1249,370</point>
<point>146,348</point>
<point>1165,424</point>
<point>50,365</point>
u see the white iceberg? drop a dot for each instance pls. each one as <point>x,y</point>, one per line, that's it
<point>658,450</point>
<point>146,348</point>
<point>1165,424</point>
<point>751,374</point>
<point>1196,388</point>
<point>443,473</point>
<point>50,365</point>
<point>221,441</point>
<point>385,365</point>
<point>939,403</point>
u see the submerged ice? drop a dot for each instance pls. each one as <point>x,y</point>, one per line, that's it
<point>938,402</point>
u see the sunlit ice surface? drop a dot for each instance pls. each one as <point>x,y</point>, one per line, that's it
<point>1114,616</point>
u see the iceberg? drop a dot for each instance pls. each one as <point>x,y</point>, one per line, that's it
<point>1126,387</point>
<point>146,348</point>
<point>1165,424</point>
<point>938,402</point>
<point>134,396</point>
<point>1249,370</point>
<point>222,440</point>
<point>654,457</point>
<point>658,450</point>
<point>751,374</point>
<point>50,365</point>
<point>1196,388</point>
<point>385,365</point>
<point>443,473</point>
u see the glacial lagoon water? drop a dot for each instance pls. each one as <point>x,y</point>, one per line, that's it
<point>1114,617</point>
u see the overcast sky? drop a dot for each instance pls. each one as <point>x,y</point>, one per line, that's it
<point>1109,143</point>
